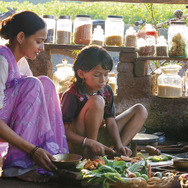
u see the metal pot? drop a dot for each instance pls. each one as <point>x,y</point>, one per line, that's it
<point>180,164</point>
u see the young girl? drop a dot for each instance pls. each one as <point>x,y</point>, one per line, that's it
<point>88,110</point>
<point>30,114</point>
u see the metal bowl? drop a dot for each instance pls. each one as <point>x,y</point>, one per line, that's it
<point>180,164</point>
<point>67,160</point>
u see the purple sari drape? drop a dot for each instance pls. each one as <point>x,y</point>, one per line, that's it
<point>32,110</point>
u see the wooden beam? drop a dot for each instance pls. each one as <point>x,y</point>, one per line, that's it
<point>142,1</point>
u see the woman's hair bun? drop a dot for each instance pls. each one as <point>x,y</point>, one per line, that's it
<point>5,28</point>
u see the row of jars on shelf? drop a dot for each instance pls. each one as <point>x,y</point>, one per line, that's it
<point>111,33</point>
<point>60,31</point>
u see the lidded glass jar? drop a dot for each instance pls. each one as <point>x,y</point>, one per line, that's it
<point>131,38</point>
<point>64,30</point>
<point>161,47</point>
<point>114,31</point>
<point>98,36</point>
<point>169,83</point>
<point>82,29</point>
<point>177,39</point>
<point>51,25</point>
<point>63,76</point>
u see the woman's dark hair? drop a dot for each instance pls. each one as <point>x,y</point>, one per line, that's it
<point>25,21</point>
<point>91,56</point>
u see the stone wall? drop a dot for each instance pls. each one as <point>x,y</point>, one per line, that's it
<point>135,86</point>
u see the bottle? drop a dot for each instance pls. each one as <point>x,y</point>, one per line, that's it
<point>98,36</point>
<point>114,31</point>
<point>152,150</point>
<point>51,25</point>
<point>82,30</point>
<point>112,81</point>
<point>64,30</point>
<point>131,38</point>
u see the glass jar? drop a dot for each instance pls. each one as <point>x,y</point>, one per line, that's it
<point>131,38</point>
<point>169,83</point>
<point>51,25</point>
<point>161,47</point>
<point>63,76</point>
<point>177,39</point>
<point>98,36</point>
<point>146,47</point>
<point>82,29</point>
<point>64,30</point>
<point>114,31</point>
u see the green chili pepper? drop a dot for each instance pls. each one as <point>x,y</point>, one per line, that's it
<point>137,174</point>
<point>155,158</point>
<point>144,176</point>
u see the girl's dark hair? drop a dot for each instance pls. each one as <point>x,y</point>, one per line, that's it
<point>25,21</point>
<point>91,56</point>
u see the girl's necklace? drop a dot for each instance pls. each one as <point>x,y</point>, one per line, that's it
<point>91,93</point>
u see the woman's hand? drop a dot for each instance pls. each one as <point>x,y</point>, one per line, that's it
<point>124,150</point>
<point>42,158</point>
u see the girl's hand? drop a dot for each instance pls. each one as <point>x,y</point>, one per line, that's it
<point>99,149</point>
<point>124,150</point>
<point>42,158</point>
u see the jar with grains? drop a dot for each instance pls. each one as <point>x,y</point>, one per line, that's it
<point>146,47</point>
<point>98,36</point>
<point>114,31</point>
<point>161,47</point>
<point>51,25</point>
<point>177,39</point>
<point>64,30</point>
<point>82,29</point>
<point>131,38</point>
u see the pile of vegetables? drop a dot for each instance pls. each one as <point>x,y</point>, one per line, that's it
<point>158,158</point>
<point>113,171</point>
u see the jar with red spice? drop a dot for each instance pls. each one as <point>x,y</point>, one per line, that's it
<point>150,30</point>
<point>82,29</point>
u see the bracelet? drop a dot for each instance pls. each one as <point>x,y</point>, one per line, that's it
<point>33,151</point>
<point>84,141</point>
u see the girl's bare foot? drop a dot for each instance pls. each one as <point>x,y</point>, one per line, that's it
<point>33,176</point>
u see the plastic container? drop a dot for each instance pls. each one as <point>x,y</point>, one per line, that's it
<point>161,47</point>
<point>63,76</point>
<point>51,25</point>
<point>82,30</point>
<point>177,39</point>
<point>112,81</point>
<point>98,36</point>
<point>64,30</point>
<point>131,38</point>
<point>169,83</point>
<point>114,31</point>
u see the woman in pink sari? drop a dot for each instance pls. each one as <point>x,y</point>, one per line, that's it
<point>30,113</point>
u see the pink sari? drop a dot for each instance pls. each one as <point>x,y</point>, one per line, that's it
<point>32,110</point>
